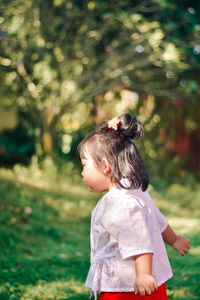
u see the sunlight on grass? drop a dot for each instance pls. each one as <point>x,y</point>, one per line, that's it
<point>54,290</point>
<point>185,225</point>
<point>183,293</point>
<point>195,251</point>
<point>65,207</point>
<point>50,184</point>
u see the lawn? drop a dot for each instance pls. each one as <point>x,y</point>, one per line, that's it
<point>44,238</point>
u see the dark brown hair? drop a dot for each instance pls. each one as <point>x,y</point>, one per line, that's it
<point>116,146</point>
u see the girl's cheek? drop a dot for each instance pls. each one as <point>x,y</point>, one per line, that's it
<point>83,171</point>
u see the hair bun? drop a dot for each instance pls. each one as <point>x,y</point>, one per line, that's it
<point>131,127</point>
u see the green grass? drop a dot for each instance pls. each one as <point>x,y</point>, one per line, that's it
<point>44,238</point>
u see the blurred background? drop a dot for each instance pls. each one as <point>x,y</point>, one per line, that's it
<point>64,67</point>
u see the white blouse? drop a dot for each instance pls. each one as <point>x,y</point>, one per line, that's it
<point>125,223</point>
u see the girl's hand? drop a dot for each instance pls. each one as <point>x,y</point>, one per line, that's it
<point>145,284</point>
<point>181,244</point>
<point>176,241</point>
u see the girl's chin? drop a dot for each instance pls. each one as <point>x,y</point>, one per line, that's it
<point>92,189</point>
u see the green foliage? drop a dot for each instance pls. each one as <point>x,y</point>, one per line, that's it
<point>65,66</point>
<point>44,237</point>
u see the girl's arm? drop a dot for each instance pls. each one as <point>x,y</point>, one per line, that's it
<point>145,283</point>
<point>176,241</point>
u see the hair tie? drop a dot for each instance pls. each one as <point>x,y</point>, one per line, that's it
<point>114,124</point>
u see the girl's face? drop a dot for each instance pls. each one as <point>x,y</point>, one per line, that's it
<point>95,180</point>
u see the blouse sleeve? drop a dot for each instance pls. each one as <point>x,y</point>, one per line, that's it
<point>162,221</point>
<point>129,228</point>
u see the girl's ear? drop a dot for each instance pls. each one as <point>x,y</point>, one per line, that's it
<point>106,169</point>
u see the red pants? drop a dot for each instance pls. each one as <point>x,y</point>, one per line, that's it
<point>160,294</point>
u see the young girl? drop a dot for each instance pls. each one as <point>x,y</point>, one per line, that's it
<point>128,256</point>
